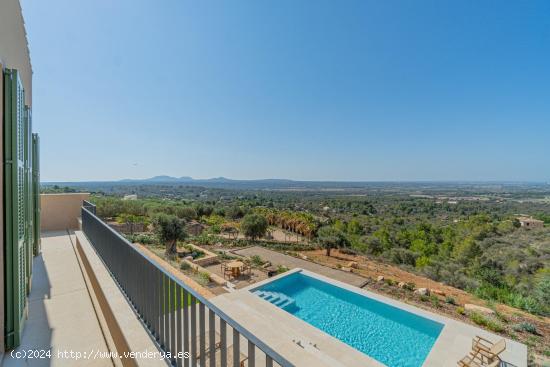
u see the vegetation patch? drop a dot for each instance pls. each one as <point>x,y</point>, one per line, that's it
<point>487,322</point>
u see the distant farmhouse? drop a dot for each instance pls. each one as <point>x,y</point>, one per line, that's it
<point>530,222</point>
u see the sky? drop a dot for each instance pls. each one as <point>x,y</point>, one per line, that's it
<point>354,90</point>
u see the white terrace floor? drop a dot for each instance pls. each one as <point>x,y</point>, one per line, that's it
<point>61,314</point>
<point>281,330</point>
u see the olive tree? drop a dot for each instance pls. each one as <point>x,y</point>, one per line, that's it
<point>169,229</point>
<point>329,237</point>
<point>254,226</point>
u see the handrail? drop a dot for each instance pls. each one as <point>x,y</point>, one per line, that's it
<point>90,206</point>
<point>234,324</point>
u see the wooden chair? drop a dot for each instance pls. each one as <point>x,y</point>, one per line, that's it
<point>226,271</point>
<point>488,350</point>
<point>475,360</point>
<point>247,269</point>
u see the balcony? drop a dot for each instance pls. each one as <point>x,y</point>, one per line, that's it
<point>98,300</point>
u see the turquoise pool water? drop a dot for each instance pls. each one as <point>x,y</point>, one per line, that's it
<point>388,334</point>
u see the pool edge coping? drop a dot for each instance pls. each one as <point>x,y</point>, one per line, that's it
<point>447,338</point>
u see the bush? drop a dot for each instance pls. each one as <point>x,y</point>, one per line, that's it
<point>222,255</point>
<point>450,300</point>
<point>506,295</point>
<point>184,265</point>
<point>256,260</point>
<point>526,326</point>
<point>435,301</point>
<point>400,255</point>
<point>424,298</point>
<point>281,269</point>
<point>143,238</point>
<point>410,286</point>
<point>460,310</point>
<point>489,323</point>
<point>203,278</point>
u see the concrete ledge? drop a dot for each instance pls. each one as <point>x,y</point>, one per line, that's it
<point>126,332</point>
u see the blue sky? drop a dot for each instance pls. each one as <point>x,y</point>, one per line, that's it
<point>313,90</point>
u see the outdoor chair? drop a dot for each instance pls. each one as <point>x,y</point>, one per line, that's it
<point>227,273</point>
<point>217,344</point>
<point>488,350</point>
<point>475,360</point>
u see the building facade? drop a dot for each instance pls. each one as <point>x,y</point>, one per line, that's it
<point>19,205</point>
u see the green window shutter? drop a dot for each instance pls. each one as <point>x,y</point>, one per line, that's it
<point>36,192</point>
<point>14,208</point>
<point>27,195</point>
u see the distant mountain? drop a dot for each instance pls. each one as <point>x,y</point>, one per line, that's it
<point>162,178</point>
<point>212,182</point>
<point>287,184</point>
<point>187,179</point>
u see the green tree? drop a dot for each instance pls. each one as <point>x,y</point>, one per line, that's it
<point>466,250</point>
<point>542,290</point>
<point>330,237</point>
<point>131,220</point>
<point>169,229</point>
<point>234,212</point>
<point>384,237</point>
<point>186,212</point>
<point>254,226</point>
<point>354,227</point>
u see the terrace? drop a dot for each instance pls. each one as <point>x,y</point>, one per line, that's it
<point>96,294</point>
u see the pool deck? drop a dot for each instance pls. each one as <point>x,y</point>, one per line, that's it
<point>282,331</point>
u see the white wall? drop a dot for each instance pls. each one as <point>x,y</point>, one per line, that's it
<point>14,50</point>
<point>14,54</point>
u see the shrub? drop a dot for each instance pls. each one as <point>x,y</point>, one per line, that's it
<point>281,269</point>
<point>424,298</point>
<point>390,281</point>
<point>184,265</point>
<point>435,301</point>
<point>143,238</point>
<point>460,310</point>
<point>222,255</point>
<point>400,255</point>
<point>409,286</point>
<point>450,300</point>
<point>526,326</point>
<point>203,278</point>
<point>256,260</point>
<point>490,324</point>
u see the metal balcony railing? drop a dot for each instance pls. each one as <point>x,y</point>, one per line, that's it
<point>87,205</point>
<point>174,313</point>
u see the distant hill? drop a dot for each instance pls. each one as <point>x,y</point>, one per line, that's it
<point>164,179</point>
<point>287,184</point>
<point>161,179</point>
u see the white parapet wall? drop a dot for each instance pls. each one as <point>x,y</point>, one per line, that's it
<point>61,211</point>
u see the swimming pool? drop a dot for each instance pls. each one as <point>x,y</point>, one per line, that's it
<point>390,335</point>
